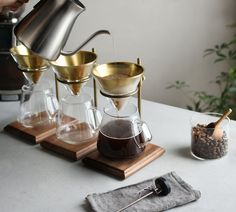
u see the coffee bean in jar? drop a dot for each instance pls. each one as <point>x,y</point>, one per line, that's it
<point>205,144</point>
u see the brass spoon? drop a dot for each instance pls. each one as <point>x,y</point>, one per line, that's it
<point>216,130</point>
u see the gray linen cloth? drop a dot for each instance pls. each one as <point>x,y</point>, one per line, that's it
<point>181,193</point>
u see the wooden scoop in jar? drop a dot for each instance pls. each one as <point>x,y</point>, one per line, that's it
<point>217,132</point>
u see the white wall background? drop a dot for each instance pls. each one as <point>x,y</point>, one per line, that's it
<point>169,36</point>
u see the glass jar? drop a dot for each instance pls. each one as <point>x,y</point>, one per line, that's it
<point>209,143</point>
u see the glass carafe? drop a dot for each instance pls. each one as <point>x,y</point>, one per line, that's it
<point>122,133</point>
<point>38,106</point>
<point>77,120</point>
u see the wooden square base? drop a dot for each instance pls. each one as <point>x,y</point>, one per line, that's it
<point>71,151</point>
<point>123,168</point>
<point>34,135</point>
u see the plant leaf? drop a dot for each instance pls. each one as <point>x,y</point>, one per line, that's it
<point>218,60</point>
<point>218,53</point>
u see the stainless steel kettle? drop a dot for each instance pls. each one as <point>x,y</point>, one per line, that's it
<point>46,28</point>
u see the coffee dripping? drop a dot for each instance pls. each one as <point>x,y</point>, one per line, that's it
<point>122,133</point>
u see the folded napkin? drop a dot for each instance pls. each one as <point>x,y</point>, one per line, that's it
<point>181,193</point>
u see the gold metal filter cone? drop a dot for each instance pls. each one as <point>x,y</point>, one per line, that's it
<point>118,78</point>
<point>75,87</point>
<point>29,63</point>
<point>75,69</point>
<point>119,103</point>
<point>27,60</point>
<point>33,76</point>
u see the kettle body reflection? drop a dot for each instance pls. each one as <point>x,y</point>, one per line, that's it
<point>122,134</point>
<point>46,28</point>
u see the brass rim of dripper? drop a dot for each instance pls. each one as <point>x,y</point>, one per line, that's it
<point>74,68</point>
<point>118,78</point>
<point>27,60</point>
<point>119,96</point>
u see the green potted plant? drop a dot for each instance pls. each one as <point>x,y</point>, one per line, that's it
<point>225,83</point>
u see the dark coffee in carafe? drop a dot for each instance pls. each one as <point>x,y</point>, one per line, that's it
<point>118,139</point>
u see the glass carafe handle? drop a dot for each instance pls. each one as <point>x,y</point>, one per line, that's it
<point>94,118</point>
<point>52,105</point>
<point>145,132</point>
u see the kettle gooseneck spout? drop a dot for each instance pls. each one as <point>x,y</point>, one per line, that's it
<point>45,30</point>
<point>69,53</point>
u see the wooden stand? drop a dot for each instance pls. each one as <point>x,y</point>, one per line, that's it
<point>74,152</point>
<point>123,168</point>
<point>34,135</point>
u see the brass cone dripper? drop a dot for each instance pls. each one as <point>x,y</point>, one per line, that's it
<point>33,76</point>
<point>118,80</point>
<point>119,102</point>
<point>74,70</point>
<point>76,87</point>
<point>29,63</point>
